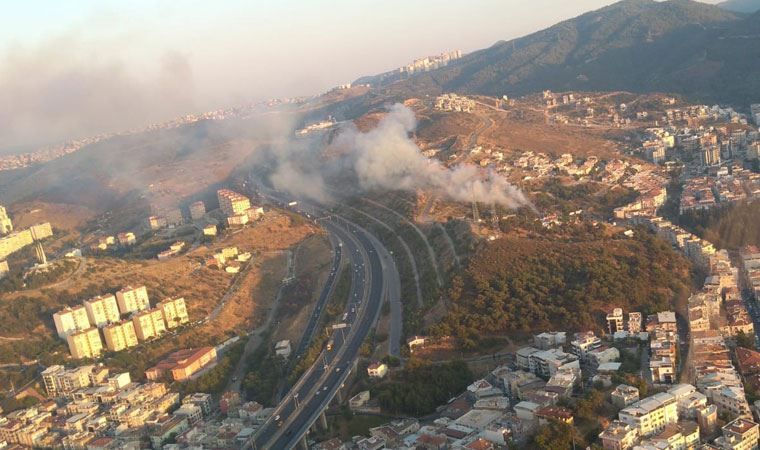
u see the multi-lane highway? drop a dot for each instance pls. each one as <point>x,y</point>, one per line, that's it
<point>311,395</point>
<point>319,308</point>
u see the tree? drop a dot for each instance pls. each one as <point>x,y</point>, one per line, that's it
<point>557,436</point>
<point>745,340</point>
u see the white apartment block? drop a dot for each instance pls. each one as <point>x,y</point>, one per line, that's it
<point>102,310</point>
<point>85,344</point>
<point>132,299</point>
<point>650,415</point>
<point>120,336</point>
<point>149,324</point>
<point>174,312</point>
<point>70,320</point>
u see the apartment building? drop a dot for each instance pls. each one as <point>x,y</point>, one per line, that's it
<point>120,336</point>
<point>174,312</point>
<point>741,434</point>
<point>85,343</point>
<point>59,381</point>
<point>546,363</point>
<point>615,321</point>
<point>650,415</point>
<point>583,344</point>
<point>70,320</point>
<point>232,203</point>
<point>634,322</point>
<point>132,299</point>
<point>102,310</point>
<point>197,210</point>
<point>619,436</point>
<point>624,395</point>
<point>148,324</point>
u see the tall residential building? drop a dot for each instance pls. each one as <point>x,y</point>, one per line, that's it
<point>615,321</point>
<point>70,320</point>
<point>120,336</point>
<point>102,310</point>
<point>149,323</point>
<point>197,210</point>
<point>85,344</point>
<point>710,155</point>
<point>174,312</point>
<point>173,216</point>
<point>634,322</point>
<point>232,203</point>
<point>132,299</point>
<point>6,225</point>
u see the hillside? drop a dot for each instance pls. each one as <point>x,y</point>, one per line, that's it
<point>743,6</point>
<point>521,285</point>
<point>162,168</point>
<point>702,51</point>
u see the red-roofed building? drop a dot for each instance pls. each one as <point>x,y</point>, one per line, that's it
<point>749,366</point>
<point>183,364</point>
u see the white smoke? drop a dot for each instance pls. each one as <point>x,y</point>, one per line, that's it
<point>387,158</point>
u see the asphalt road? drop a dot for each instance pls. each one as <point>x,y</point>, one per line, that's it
<point>327,290</point>
<point>316,388</point>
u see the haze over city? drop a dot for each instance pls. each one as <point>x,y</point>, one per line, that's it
<point>87,67</point>
<point>484,225</point>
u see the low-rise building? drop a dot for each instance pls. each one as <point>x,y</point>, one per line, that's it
<point>624,395</point>
<point>377,369</point>
<point>183,364</point>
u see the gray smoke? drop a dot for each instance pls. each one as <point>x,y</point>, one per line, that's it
<point>387,158</point>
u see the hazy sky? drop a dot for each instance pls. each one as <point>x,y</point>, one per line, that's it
<point>76,67</point>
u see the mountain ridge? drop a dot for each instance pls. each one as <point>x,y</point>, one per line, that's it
<point>681,46</point>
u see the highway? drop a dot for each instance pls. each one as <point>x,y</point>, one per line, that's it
<point>327,291</point>
<point>312,394</point>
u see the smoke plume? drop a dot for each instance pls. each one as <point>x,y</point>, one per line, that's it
<point>387,158</point>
